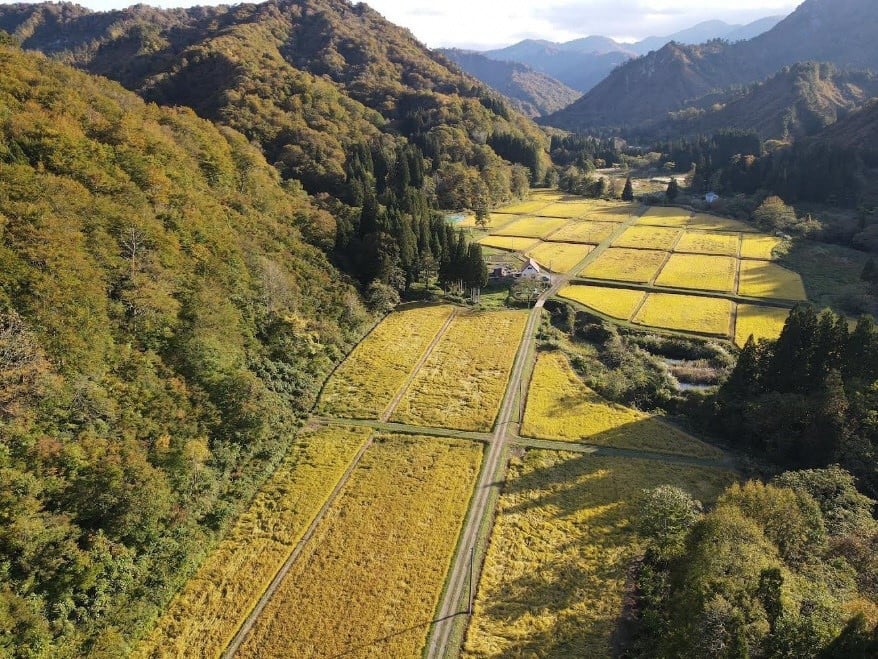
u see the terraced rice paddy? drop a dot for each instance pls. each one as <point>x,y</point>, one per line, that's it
<point>591,233</point>
<point>612,212</point>
<point>561,407</point>
<point>366,382</point>
<point>207,612</point>
<point>566,209</point>
<point>699,272</point>
<point>511,243</point>
<point>531,227</point>
<point>618,303</point>
<point>769,280</point>
<point>493,221</point>
<point>647,237</point>
<point>556,570</point>
<point>761,322</point>
<point>524,207</point>
<point>687,313</point>
<point>669,216</point>
<point>621,264</point>
<point>559,257</point>
<point>759,247</point>
<point>462,383</point>
<point>706,222</point>
<point>369,581</point>
<point>696,242</point>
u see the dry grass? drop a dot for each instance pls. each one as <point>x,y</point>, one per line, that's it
<point>634,265</point>
<point>531,227</point>
<point>618,303</point>
<point>567,209</point>
<point>559,257</point>
<point>207,612</point>
<point>561,407</point>
<point>591,233</point>
<point>665,216</point>
<point>759,247</point>
<point>699,272</point>
<point>687,313</point>
<point>462,383</point>
<point>769,280</point>
<point>365,384</point>
<point>511,243</point>
<point>724,244</point>
<point>369,582</point>
<point>555,573</point>
<point>761,322</point>
<point>706,222</point>
<point>647,237</point>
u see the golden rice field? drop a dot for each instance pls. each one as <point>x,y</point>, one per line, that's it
<point>700,272</point>
<point>366,382</point>
<point>669,216</point>
<point>531,227</point>
<point>524,207</point>
<point>618,303</point>
<point>462,383</point>
<point>769,280</point>
<point>761,322</point>
<point>559,257</point>
<point>511,243</point>
<point>369,581</point>
<point>647,237</point>
<point>686,313</point>
<point>566,209</point>
<point>494,220</point>
<point>695,242</point>
<point>592,233</point>
<point>207,612</point>
<point>561,407</point>
<point>612,212</point>
<point>759,247</point>
<point>621,264</point>
<point>556,570</point>
<point>705,222</point>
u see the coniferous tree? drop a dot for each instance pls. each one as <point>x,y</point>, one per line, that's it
<point>673,190</point>
<point>628,190</point>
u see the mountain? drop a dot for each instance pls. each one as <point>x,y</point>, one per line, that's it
<point>163,325</point>
<point>532,93</point>
<point>707,31</point>
<point>679,76</point>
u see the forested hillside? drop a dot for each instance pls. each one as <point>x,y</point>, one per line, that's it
<point>162,326</point>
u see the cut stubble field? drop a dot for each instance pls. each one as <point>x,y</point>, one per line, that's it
<point>703,242</point>
<point>369,581</point>
<point>510,243</point>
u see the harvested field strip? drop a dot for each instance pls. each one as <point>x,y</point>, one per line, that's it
<point>761,322</point>
<point>591,233</point>
<point>462,383</point>
<point>567,210</point>
<point>620,264</point>
<point>531,227</point>
<point>559,257</point>
<point>373,373</point>
<point>696,242</point>
<point>769,280</point>
<point>555,574</point>
<point>370,580</point>
<point>647,237</point>
<point>618,303</point>
<point>687,313</point>
<point>511,243</point>
<point>706,222</point>
<point>701,272</point>
<point>759,247</point>
<point>206,613</point>
<point>560,406</point>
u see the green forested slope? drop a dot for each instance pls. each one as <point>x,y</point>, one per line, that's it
<point>162,323</point>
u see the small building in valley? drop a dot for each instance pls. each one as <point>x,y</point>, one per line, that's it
<point>531,269</point>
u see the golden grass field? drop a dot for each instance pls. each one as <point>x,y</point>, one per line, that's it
<point>207,612</point>
<point>618,303</point>
<point>647,237</point>
<point>524,207</point>
<point>687,313</point>
<point>769,280</point>
<point>759,247</point>
<point>761,322</point>
<point>706,222</point>
<point>633,265</point>
<point>531,227</point>
<point>669,216</point>
<point>366,382</point>
<point>559,257</point>
<point>584,232</point>
<point>561,407</point>
<point>562,545</point>
<point>461,385</point>
<point>699,272</point>
<point>511,243</point>
<point>696,242</point>
<point>603,211</point>
<point>369,581</point>
<point>566,209</point>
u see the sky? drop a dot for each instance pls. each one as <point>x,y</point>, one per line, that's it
<point>482,24</point>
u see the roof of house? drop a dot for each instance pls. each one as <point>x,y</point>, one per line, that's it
<point>533,265</point>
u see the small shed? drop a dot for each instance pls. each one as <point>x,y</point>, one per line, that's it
<point>711,197</point>
<point>500,272</point>
<point>531,269</point>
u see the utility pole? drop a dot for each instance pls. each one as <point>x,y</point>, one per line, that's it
<point>472,560</point>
